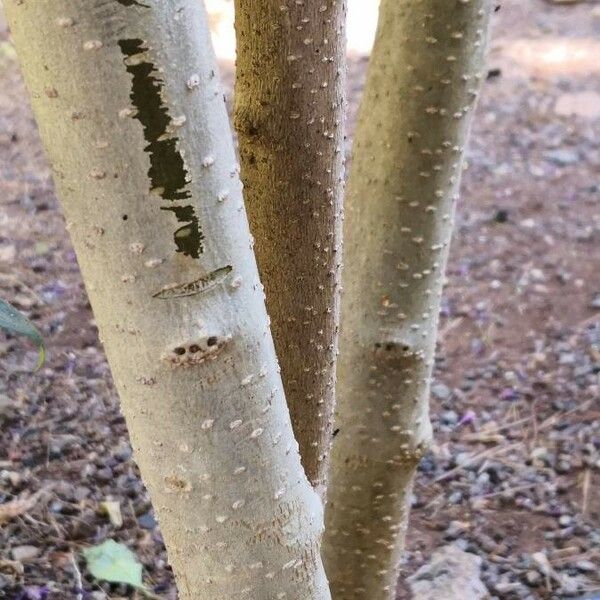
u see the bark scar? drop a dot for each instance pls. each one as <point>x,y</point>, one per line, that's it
<point>198,286</point>
<point>194,352</point>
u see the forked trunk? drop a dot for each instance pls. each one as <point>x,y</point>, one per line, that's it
<point>127,97</point>
<point>424,77</point>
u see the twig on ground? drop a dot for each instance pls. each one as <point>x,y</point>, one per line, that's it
<point>585,500</point>
<point>485,454</point>
<point>78,579</point>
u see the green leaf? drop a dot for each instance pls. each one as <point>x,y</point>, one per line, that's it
<point>14,322</point>
<point>116,563</point>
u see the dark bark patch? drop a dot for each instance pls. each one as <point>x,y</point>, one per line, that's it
<point>132,3</point>
<point>167,173</point>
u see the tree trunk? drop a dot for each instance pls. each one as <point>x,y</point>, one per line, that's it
<point>289,103</point>
<point>424,77</point>
<point>128,102</point>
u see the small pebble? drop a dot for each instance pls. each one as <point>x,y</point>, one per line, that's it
<point>565,520</point>
<point>24,553</point>
<point>441,391</point>
<point>533,578</point>
<point>147,521</point>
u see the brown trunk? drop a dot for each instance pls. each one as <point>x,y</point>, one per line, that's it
<point>289,103</point>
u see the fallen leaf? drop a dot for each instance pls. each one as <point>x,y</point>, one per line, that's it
<point>116,563</point>
<point>112,509</point>
<point>14,322</point>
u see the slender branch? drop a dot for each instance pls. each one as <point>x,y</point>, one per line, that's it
<point>424,75</point>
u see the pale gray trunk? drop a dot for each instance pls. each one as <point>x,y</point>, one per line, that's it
<point>289,105</point>
<point>425,74</point>
<point>130,110</point>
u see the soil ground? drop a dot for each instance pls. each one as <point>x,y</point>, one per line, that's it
<point>515,470</point>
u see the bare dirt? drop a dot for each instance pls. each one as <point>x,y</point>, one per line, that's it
<point>516,400</point>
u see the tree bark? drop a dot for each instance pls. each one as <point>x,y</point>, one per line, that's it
<point>424,77</point>
<point>289,105</point>
<point>129,107</point>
